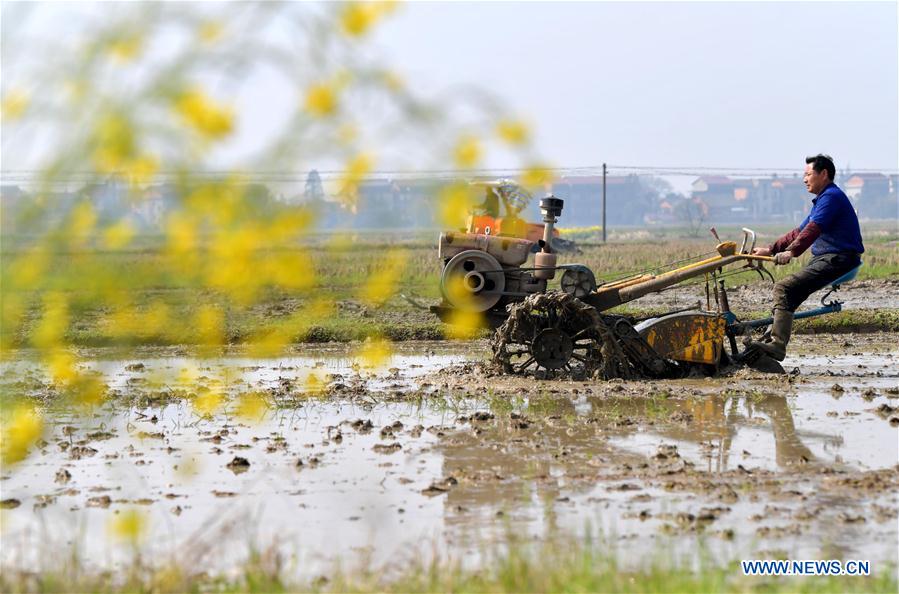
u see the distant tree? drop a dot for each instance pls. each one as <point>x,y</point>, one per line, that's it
<point>313,190</point>
<point>692,212</point>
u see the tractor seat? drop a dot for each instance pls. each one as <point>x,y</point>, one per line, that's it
<point>849,276</point>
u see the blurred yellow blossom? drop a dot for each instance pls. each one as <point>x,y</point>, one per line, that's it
<point>386,279</point>
<point>375,352</point>
<point>88,391</point>
<point>14,105</point>
<point>251,406</point>
<point>19,432</point>
<point>313,384</point>
<point>454,205</point>
<point>128,526</point>
<point>114,143</point>
<point>141,169</point>
<point>357,18</point>
<point>347,134</point>
<point>321,100</point>
<point>536,175</point>
<point>513,132</point>
<point>208,403</point>
<point>12,314</point>
<point>288,270</point>
<point>288,225</point>
<point>210,119</point>
<point>61,365</point>
<point>210,31</point>
<point>125,48</point>
<point>118,235</point>
<point>81,222</point>
<point>467,152</point>
<point>27,270</point>
<point>464,325</point>
<point>48,333</point>
<point>182,233</point>
<point>210,325</point>
<point>155,321</point>
<point>393,81</point>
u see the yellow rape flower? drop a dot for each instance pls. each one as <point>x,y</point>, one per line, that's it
<point>128,526</point>
<point>210,325</point>
<point>375,352</point>
<point>81,222</point>
<point>455,202</point>
<point>321,100</point>
<point>536,175</point>
<point>357,18</point>
<point>251,406</point>
<point>393,81</point>
<point>27,270</point>
<point>13,105</point>
<point>313,384</point>
<point>347,134</point>
<point>88,391</point>
<point>210,119</point>
<point>513,132</point>
<point>21,431</point>
<point>287,226</point>
<point>156,320</point>
<point>118,235</point>
<point>464,325</point>
<point>49,332</point>
<point>12,314</point>
<point>125,49</point>
<point>182,233</point>
<point>114,143</point>
<point>210,31</point>
<point>385,281</point>
<point>207,403</point>
<point>467,152</point>
<point>61,365</point>
<point>141,170</point>
<point>289,271</point>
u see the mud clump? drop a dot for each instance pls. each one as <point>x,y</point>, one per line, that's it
<point>79,452</point>
<point>387,448</point>
<point>63,476</point>
<point>440,487</point>
<point>238,465</point>
<point>103,501</point>
<point>10,503</point>
<point>362,426</point>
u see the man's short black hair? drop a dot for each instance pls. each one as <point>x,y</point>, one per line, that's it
<point>823,162</point>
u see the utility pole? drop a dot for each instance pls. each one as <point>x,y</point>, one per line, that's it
<point>603,202</point>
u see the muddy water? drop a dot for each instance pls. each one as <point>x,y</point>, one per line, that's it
<point>426,456</point>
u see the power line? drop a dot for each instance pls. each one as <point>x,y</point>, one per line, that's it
<point>336,174</point>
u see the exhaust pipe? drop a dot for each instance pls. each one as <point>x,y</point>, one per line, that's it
<point>545,259</point>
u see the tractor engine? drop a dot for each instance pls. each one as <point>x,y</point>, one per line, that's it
<point>484,272</point>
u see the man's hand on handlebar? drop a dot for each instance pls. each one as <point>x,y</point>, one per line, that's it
<point>760,251</point>
<point>783,258</point>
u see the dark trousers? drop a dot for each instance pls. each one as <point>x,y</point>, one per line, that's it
<point>822,270</point>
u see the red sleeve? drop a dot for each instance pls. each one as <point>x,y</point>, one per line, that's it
<point>782,243</point>
<point>804,239</point>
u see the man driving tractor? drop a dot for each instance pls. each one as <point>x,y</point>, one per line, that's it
<point>832,231</point>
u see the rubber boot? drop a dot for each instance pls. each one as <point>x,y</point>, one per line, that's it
<point>780,335</point>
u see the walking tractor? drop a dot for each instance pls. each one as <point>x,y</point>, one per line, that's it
<point>570,329</point>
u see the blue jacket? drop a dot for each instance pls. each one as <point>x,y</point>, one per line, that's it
<point>833,213</point>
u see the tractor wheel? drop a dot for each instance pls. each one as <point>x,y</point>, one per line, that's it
<point>549,333</point>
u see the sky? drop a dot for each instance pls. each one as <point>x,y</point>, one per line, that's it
<point>712,84</point>
<point>693,85</point>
